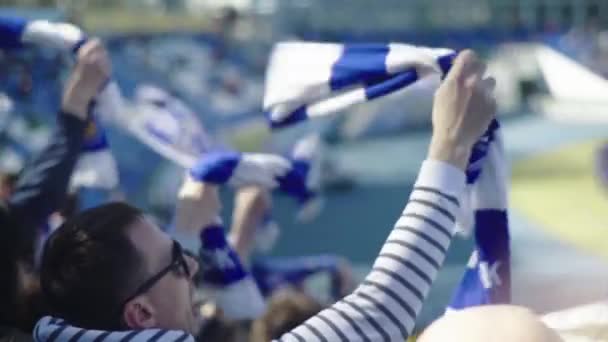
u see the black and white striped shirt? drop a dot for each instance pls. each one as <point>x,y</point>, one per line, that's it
<point>384,307</point>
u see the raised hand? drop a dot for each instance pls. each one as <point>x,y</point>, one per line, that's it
<point>198,206</point>
<point>91,72</point>
<point>463,107</point>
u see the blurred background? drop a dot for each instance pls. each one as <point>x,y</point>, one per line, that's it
<point>550,58</point>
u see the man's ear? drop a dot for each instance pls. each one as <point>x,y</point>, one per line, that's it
<point>139,314</point>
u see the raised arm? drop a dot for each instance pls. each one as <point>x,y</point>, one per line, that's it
<point>222,272</point>
<point>43,186</point>
<point>385,306</point>
<point>250,206</point>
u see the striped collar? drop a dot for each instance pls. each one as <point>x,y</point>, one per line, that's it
<point>50,329</point>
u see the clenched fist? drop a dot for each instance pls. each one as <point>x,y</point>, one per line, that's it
<point>92,70</point>
<point>463,107</point>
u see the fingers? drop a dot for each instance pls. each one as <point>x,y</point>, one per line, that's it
<point>466,64</point>
<point>90,48</point>
<point>488,84</point>
<point>469,70</point>
<point>463,107</point>
<point>472,71</point>
<point>93,54</point>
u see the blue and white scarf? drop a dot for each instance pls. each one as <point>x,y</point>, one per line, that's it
<point>307,80</point>
<point>316,79</point>
<point>487,278</point>
<point>225,278</point>
<point>303,182</point>
<point>50,329</point>
<point>168,126</point>
<point>96,166</point>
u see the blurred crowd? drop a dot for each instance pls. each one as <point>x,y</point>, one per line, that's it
<point>588,44</point>
<point>109,271</point>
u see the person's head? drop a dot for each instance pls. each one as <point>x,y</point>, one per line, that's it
<point>110,268</point>
<point>490,323</point>
<point>286,310</point>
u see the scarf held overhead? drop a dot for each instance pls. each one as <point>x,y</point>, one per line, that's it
<point>487,278</point>
<point>316,79</point>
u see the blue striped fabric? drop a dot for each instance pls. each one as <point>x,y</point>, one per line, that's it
<point>220,265</point>
<point>233,288</point>
<point>224,167</point>
<point>294,182</point>
<point>360,63</point>
<point>303,182</point>
<point>364,67</point>
<point>215,167</point>
<point>479,152</point>
<point>294,117</point>
<point>390,84</point>
<point>50,329</point>
<point>487,278</point>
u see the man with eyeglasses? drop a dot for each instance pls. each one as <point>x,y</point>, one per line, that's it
<point>111,275</point>
<point>111,268</point>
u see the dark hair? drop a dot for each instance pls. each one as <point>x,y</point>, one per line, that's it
<point>19,288</point>
<point>21,303</point>
<point>89,266</point>
<point>70,206</point>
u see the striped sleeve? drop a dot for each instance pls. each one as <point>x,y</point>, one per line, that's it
<point>385,306</point>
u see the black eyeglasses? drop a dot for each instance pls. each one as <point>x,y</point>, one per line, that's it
<point>177,262</point>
